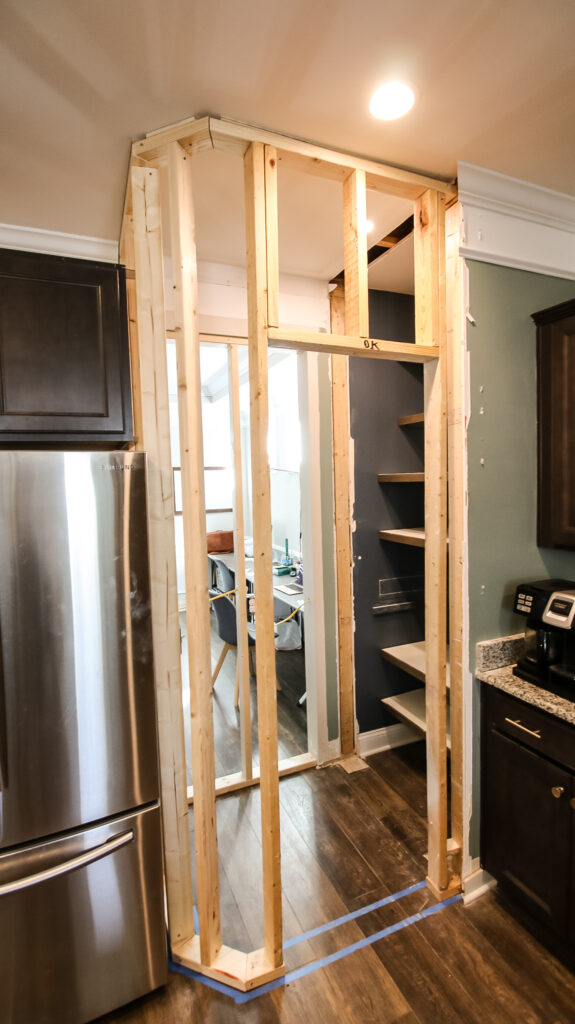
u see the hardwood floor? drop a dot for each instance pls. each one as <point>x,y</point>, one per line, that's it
<point>292,722</point>
<point>347,841</point>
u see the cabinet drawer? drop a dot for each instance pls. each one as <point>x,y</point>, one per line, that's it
<point>530,726</point>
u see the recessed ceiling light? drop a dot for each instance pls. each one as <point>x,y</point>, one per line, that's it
<point>391,100</point>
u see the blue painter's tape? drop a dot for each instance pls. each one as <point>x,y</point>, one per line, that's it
<point>354,914</point>
<point>196,920</point>
<point>217,986</point>
<point>246,997</point>
<point>301,972</point>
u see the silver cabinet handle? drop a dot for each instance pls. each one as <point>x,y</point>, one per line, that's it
<point>69,865</point>
<point>531,732</point>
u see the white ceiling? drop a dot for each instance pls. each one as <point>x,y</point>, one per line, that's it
<point>310,218</point>
<point>495,86</point>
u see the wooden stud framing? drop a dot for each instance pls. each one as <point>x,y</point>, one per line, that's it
<point>356,317</point>
<point>262,151</point>
<point>239,548</point>
<point>195,546</point>
<point>342,526</point>
<point>256,217</point>
<point>127,257</point>
<point>150,375</point>
<point>429,221</point>
<point>351,344</point>
<point>272,242</point>
<point>355,255</point>
<point>456,452</point>
<point>232,136</point>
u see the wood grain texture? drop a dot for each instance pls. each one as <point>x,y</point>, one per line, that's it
<point>128,258</point>
<point>272,239</point>
<point>401,478</point>
<point>235,137</point>
<point>154,438</point>
<point>355,254</point>
<point>350,343</point>
<point>429,254</point>
<point>342,525</point>
<point>457,464</point>
<point>184,273</point>
<point>266,679</point>
<point>243,673</point>
<point>408,421</point>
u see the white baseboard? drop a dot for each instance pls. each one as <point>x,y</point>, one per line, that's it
<point>476,885</point>
<point>386,738</point>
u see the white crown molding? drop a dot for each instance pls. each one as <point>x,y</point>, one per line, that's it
<point>58,243</point>
<point>515,223</point>
<point>490,190</point>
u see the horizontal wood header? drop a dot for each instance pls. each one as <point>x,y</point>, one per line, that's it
<point>350,345</point>
<point>233,136</point>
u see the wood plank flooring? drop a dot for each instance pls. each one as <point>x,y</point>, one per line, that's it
<point>347,841</point>
<point>292,721</point>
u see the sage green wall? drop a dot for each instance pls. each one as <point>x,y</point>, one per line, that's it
<point>502,445</point>
<point>502,457</point>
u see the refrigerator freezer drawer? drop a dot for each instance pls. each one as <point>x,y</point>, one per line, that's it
<point>81,922</point>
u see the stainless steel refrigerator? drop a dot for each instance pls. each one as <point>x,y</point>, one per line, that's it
<point>81,900</point>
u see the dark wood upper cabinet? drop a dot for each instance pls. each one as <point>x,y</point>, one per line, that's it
<point>64,351</point>
<point>556,426</point>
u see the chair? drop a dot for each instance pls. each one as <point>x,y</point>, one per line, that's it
<point>225,612</point>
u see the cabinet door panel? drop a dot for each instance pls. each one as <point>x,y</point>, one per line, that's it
<point>64,363</point>
<point>556,427</point>
<point>526,827</point>
<point>572,873</point>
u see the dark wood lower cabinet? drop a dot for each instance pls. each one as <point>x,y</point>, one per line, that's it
<point>528,808</point>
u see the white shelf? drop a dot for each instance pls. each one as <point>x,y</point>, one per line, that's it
<point>411,658</point>
<point>410,708</point>
<point>414,538</point>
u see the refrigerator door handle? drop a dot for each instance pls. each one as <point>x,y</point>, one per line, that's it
<point>69,865</point>
<point>3,737</point>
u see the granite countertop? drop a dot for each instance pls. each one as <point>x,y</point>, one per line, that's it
<point>494,665</point>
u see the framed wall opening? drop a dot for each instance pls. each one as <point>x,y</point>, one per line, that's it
<point>204,950</point>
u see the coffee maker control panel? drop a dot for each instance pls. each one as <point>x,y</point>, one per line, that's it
<point>560,610</point>
<point>533,599</point>
<point>523,602</point>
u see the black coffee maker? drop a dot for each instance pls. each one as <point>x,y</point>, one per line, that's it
<point>549,658</point>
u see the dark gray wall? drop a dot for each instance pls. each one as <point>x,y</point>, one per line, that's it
<point>380,392</point>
